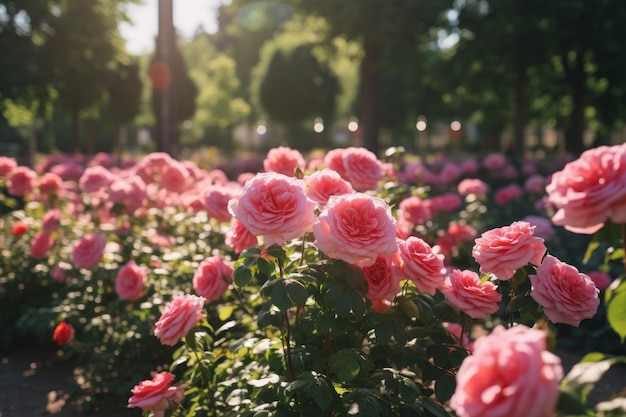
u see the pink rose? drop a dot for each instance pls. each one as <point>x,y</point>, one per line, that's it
<point>464,291</point>
<point>215,200</point>
<point>130,283</point>
<point>543,227</point>
<point>50,183</point>
<point>505,195</point>
<point>58,274</point>
<point>469,166</point>
<point>456,330</point>
<point>494,162</point>
<point>174,177</point>
<point>420,264</point>
<point>325,183</point>
<point>284,160</point>
<point>590,190</point>
<point>382,282</point>
<point>504,250</point>
<point>535,184</point>
<point>51,221</point>
<point>274,206</point>
<point>334,160</point>
<point>473,186</point>
<point>239,238</point>
<point>602,280</point>
<point>157,394</point>
<point>40,245</point>
<point>130,192</point>
<point>95,178</point>
<point>509,374</point>
<point>21,181</point>
<point>447,202</point>
<point>180,315</point>
<point>7,165</point>
<point>567,296</point>
<point>416,210</point>
<point>87,252</point>
<point>449,173</point>
<point>212,278</point>
<point>356,228</point>
<point>361,168</point>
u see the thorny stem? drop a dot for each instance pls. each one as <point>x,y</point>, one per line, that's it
<point>287,346</point>
<point>512,294</point>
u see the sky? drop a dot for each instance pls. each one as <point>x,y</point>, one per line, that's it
<point>188,15</point>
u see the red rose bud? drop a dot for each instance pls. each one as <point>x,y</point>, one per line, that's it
<point>63,333</point>
<point>19,229</point>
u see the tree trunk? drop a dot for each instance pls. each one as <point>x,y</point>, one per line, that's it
<point>576,129</point>
<point>167,125</point>
<point>370,90</point>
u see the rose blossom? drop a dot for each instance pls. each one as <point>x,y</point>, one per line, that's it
<point>21,181</point>
<point>509,374</point>
<point>40,245</point>
<point>239,238</point>
<point>361,168</point>
<point>505,195</point>
<point>274,206</point>
<point>567,296</point>
<point>174,176</point>
<point>51,221</point>
<point>130,192</point>
<point>382,282</point>
<point>356,228</point>
<point>447,202</point>
<point>415,210</point>
<point>157,394</point>
<point>212,278</point>
<point>473,186</point>
<point>180,315</point>
<point>215,200</point>
<point>284,160</point>
<point>590,190</point>
<point>87,252</point>
<point>58,274</point>
<point>543,226</point>
<point>130,283</point>
<point>7,165</point>
<point>535,184</point>
<point>19,228</point>
<point>494,162</point>
<point>49,183</point>
<point>504,250</point>
<point>602,280</point>
<point>63,333</point>
<point>322,184</point>
<point>420,264</point>
<point>464,291</point>
<point>95,178</point>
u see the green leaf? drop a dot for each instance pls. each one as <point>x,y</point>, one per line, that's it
<point>317,387</point>
<point>444,387</point>
<point>266,267</point>
<point>591,248</point>
<point>225,312</point>
<point>287,293</point>
<point>270,318</point>
<point>571,406</point>
<point>616,314</point>
<point>517,302</point>
<point>346,364</point>
<point>616,287</point>
<point>365,403</point>
<point>243,277</point>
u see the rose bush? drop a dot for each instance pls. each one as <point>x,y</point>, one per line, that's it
<point>358,305</point>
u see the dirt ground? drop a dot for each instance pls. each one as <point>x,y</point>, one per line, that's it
<point>32,383</point>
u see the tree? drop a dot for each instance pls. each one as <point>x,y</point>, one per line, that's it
<point>124,90</point>
<point>380,26</point>
<point>294,80</point>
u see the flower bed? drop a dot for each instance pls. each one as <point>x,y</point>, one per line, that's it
<point>332,285</point>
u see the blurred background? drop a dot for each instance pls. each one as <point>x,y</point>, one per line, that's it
<point>521,77</point>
